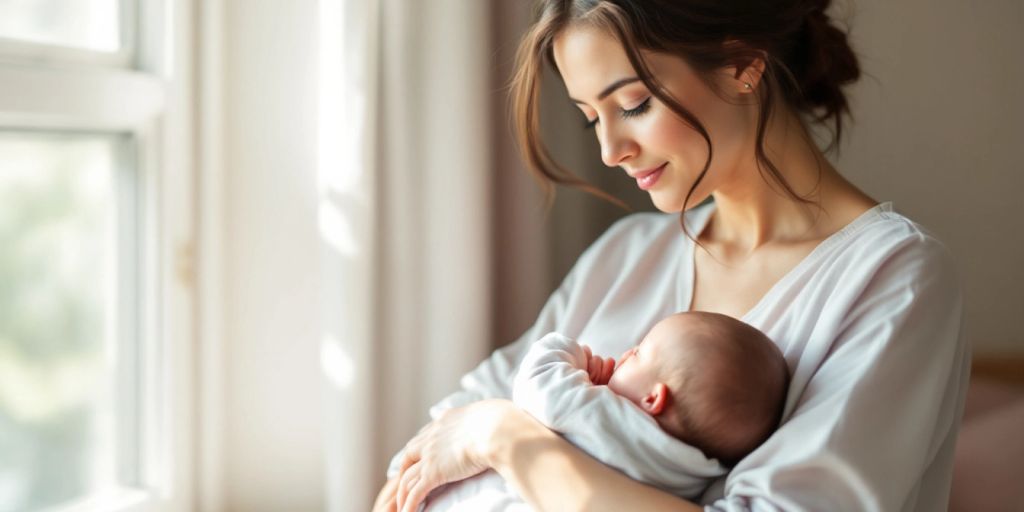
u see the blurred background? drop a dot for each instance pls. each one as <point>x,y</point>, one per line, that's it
<point>245,244</point>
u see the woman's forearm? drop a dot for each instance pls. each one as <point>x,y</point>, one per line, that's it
<point>552,474</point>
<point>385,501</point>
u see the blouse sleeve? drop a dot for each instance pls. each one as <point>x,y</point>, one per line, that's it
<point>875,427</point>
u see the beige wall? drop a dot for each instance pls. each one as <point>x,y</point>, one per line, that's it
<point>939,128</point>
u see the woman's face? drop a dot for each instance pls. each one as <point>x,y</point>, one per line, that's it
<point>638,133</point>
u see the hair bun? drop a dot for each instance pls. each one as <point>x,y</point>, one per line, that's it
<point>824,63</point>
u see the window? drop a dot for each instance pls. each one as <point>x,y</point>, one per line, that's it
<point>88,24</point>
<point>95,230</point>
<point>67,303</point>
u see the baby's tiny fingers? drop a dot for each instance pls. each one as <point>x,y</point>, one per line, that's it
<point>609,369</point>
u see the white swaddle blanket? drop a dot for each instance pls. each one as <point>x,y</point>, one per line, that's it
<point>552,385</point>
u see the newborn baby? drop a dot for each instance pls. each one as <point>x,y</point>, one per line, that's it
<point>699,393</point>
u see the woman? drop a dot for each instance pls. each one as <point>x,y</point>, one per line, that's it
<point>699,99</point>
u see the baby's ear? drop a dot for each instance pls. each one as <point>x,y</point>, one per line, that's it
<point>654,402</point>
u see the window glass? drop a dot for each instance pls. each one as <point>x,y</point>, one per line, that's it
<point>65,425</point>
<point>88,24</point>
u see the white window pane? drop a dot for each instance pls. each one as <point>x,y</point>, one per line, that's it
<point>89,24</point>
<point>64,434</point>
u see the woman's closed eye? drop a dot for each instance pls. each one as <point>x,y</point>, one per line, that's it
<point>640,110</point>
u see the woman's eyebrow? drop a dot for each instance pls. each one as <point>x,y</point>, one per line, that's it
<point>611,88</point>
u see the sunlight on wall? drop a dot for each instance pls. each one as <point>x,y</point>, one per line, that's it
<point>342,105</point>
<point>336,365</point>
<point>335,230</point>
<point>340,108</point>
<point>340,176</point>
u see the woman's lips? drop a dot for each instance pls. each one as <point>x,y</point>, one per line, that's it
<point>647,180</point>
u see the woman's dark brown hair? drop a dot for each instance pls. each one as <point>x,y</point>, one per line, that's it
<point>807,61</point>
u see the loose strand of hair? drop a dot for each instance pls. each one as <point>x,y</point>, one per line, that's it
<point>610,20</point>
<point>526,99</point>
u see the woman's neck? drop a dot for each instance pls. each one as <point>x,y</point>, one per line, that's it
<point>752,210</point>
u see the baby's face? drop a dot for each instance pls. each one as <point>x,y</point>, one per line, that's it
<point>638,370</point>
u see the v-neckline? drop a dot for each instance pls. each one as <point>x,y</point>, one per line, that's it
<point>699,223</point>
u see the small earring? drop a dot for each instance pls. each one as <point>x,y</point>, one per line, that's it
<point>747,85</point>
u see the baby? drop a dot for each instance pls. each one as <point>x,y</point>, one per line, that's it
<point>699,393</point>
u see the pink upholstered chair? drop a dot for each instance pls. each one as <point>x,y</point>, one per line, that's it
<point>988,471</point>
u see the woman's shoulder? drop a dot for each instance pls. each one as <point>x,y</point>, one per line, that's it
<point>885,232</point>
<point>883,244</point>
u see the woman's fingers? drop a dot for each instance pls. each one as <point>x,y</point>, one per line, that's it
<point>416,495</point>
<point>449,450</point>
<point>388,505</point>
<point>412,453</point>
<point>408,459</point>
<point>407,480</point>
<point>408,468</point>
<point>413,488</point>
<point>385,501</point>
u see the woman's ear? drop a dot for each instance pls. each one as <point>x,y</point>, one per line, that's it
<point>748,72</point>
<point>654,402</point>
<point>746,79</point>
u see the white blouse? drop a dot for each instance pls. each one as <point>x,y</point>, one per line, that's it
<point>870,323</point>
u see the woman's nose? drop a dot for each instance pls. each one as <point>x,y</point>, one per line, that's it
<point>616,147</point>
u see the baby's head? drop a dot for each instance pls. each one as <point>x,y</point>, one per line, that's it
<point>710,380</point>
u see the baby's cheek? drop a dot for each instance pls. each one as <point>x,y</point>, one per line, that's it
<point>615,382</point>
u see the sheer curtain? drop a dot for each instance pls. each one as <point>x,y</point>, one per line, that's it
<point>404,149</point>
<point>436,246</point>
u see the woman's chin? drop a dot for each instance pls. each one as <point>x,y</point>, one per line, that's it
<point>673,203</point>
<point>666,203</point>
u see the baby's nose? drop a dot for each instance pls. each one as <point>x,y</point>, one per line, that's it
<point>625,355</point>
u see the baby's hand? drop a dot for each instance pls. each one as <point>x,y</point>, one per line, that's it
<point>599,369</point>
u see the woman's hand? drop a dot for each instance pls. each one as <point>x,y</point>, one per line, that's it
<point>452,447</point>
<point>386,499</point>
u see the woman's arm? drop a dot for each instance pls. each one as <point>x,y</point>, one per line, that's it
<point>552,474</point>
<point>548,472</point>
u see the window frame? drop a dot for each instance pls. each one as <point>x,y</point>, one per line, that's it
<point>133,22</point>
<point>144,92</point>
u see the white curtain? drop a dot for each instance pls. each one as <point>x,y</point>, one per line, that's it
<point>404,189</point>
